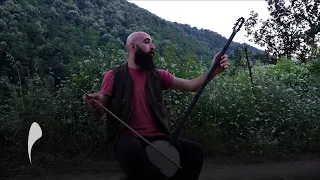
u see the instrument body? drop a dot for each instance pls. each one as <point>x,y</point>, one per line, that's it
<point>166,167</point>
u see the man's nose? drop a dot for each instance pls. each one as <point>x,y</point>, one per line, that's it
<point>152,48</point>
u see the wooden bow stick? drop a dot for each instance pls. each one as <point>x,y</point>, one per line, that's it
<point>126,125</point>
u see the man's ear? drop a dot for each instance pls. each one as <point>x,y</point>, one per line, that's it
<point>133,46</point>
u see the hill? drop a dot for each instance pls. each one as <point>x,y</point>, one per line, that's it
<point>44,36</point>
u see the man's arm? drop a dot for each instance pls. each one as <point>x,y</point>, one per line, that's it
<point>104,99</point>
<point>104,95</point>
<point>96,110</point>
<point>189,85</point>
<point>194,84</point>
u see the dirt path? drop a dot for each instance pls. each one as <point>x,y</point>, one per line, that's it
<point>293,170</point>
<point>304,170</point>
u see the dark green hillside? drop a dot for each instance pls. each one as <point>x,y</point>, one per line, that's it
<point>212,39</point>
<point>44,36</point>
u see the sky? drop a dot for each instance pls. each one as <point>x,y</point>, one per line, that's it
<point>215,15</point>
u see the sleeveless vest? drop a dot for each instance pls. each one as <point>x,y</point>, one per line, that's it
<point>121,102</point>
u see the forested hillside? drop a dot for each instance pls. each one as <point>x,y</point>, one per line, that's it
<point>50,48</point>
<point>46,35</point>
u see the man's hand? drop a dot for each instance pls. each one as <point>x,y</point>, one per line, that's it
<point>223,64</point>
<point>96,110</point>
<point>89,100</point>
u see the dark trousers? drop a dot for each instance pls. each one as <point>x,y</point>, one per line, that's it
<point>134,161</point>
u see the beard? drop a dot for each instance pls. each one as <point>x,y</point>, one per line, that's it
<point>144,60</point>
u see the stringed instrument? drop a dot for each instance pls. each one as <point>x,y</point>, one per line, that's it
<point>163,153</point>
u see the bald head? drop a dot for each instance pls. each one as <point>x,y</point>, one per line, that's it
<point>131,38</point>
<point>139,47</point>
<point>134,37</point>
<point>139,41</point>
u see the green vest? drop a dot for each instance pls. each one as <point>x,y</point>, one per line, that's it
<point>121,101</point>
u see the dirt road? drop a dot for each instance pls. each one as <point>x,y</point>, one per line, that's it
<point>304,170</point>
<point>293,170</point>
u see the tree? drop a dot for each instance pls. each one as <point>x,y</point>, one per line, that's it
<point>292,29</point>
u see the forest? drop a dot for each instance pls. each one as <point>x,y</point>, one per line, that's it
<point>265,104</point>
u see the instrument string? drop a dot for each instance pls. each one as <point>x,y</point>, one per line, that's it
<point>176,133</point>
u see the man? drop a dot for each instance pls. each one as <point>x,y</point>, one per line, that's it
<point>133,92</point>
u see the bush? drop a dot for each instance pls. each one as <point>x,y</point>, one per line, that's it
<point>280,115</point>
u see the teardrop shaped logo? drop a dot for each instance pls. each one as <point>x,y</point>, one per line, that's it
<point>35,133</point>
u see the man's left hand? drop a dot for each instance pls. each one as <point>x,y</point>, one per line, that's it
<point>223,64</point>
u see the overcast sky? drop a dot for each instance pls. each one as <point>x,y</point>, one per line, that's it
<point>217,16</point>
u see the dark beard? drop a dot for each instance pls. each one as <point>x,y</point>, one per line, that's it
<point>144,60</point>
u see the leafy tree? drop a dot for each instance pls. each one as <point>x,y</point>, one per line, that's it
<point>293,28</point>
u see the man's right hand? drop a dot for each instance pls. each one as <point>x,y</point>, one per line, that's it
<point>96,110</point>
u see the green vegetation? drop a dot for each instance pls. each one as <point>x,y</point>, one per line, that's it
<point>292,29</point>
<point>49,48</point>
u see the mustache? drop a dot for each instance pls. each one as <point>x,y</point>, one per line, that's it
<point>145,60</point>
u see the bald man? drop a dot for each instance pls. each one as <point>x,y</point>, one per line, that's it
<point>133,92</point>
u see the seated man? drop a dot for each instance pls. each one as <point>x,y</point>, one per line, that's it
<point>133,92</point>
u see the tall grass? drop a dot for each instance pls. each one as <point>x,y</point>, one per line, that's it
<point>226,120</point>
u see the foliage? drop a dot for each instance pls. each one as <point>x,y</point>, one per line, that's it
<point>47,35</point>
<point>293,28</point>
<point>285,121</point>
<point>71,45</point>
<point>226,120</point>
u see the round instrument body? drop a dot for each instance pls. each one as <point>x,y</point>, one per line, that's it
<point>166,166</point>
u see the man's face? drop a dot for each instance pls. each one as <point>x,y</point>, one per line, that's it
<point>144,59</point>
<point>144,51</point>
